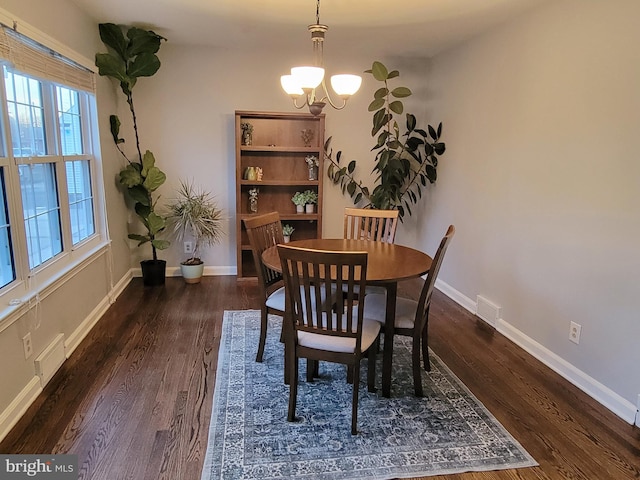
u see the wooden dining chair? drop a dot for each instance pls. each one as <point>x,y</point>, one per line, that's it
<point>370,224</point>
<point>316,331</point>
<point>412,318</point>
<point>265,231</point>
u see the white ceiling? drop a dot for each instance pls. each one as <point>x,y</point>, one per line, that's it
<point>416,27</point>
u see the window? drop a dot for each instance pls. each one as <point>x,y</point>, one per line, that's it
<point>7,269</point>
<point>80,200</point>
<point>49,213</point>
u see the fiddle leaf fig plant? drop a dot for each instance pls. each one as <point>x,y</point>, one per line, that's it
<point>128,58</point>
<point>404,160</point>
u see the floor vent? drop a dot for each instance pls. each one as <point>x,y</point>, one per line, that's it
<point>50,360</point>
<point>487,311</point>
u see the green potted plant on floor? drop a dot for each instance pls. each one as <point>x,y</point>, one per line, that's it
<point>129,58</point>
<point>194,212</point>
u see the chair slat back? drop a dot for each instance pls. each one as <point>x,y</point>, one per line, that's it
<point>264,231</point>
<point>370,224</point>
<point>308,273</point>
<point>424,302</point>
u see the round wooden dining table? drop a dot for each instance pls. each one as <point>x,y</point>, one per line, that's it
<point>387,263</point>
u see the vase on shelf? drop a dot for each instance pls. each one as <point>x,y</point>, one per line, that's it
<point>309,207</point>
<point>299,208</point>
<point>313,173</point>
<point>287,238</point>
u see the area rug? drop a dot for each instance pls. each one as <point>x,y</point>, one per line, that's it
<point>447,431</point>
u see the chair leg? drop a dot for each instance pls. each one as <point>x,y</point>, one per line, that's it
<point>349,374</point>
<point>425,346</point>
<point>293,388</point>
<point>354,406</point>
<point>263,333</point>
<point>415,364</point>
<point>371,368</point>
<point>312,369</point>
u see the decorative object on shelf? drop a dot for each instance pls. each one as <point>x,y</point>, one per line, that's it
<point>404,162</point>
<point>287,230</point>
<point>307,136</point>
<point>299,199</point>
<point>305,81</point>
<point>259,174</point>
<point>311,198</point>
<point>129,58</point>
<point>253,200</point>
<point>250,173</point>
<point>312,165</point>
<point>194,212</point>
<point>247,133</point>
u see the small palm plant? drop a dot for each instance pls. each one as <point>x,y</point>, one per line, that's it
<point>195,212</point>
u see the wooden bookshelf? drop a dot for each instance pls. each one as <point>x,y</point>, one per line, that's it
<point>277,147</point>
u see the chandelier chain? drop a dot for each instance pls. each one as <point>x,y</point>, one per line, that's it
<point>318,12</point>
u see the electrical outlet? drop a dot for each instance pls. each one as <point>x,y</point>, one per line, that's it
<point>188,247</point>
<point>27,345</point>
<point>574,332</point>
<point>638,412</point>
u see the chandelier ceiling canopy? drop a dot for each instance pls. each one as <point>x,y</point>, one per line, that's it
<point>308,82</point>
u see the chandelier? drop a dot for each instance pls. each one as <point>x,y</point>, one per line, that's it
<point>308,82</point>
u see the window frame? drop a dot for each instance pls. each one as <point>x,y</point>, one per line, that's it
<point>33,283</point>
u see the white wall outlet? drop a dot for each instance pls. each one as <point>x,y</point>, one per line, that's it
<point>27,345</point>
<point>574,332</point>
<point>188,247</point>
<point>638,412</point>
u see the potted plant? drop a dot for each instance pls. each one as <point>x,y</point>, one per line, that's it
<point>287,230</point>
<point>311,198</point>
<point>299,199</point>
<point>405,160</point>
<point>128,59</point>
<point>194,212</point>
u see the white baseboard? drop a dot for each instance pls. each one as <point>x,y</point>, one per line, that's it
<point>456,296</point>
<point>596,390</point>
<point>19,406</point>
<point>208,271</point>
<point>85,327</point>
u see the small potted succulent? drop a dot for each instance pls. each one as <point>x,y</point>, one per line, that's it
<point>299,199</point>
<point>311,198</point>
<point>287,230</point>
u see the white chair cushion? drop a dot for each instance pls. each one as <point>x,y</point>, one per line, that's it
<point>369,290</point>
<point>277,298</point>
<point>375,307</point>
<point>370,330</point>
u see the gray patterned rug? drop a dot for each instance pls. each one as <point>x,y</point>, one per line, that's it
<point>447,431</point>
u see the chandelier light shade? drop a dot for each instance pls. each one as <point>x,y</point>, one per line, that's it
<point>308,82</point>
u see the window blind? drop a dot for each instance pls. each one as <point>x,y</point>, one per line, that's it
<point>33,58</point>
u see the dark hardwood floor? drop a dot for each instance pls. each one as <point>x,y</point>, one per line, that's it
<point>134,400</point>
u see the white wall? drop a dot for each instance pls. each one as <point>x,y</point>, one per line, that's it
<point>541,177</point>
